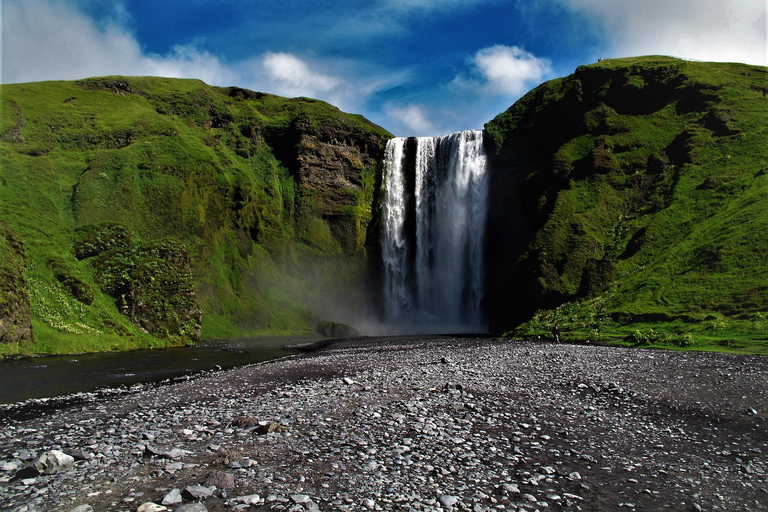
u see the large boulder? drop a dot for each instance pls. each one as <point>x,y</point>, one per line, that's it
<point>334,330</point>
<point>53,461</point>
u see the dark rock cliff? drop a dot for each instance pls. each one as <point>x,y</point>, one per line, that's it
<point>336,165</point>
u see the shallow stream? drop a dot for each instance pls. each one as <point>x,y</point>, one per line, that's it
<point>46,377</point>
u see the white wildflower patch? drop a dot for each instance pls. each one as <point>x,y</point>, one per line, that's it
<point>58,310</point>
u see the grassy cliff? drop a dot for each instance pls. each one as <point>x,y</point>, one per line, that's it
<point>642,186</point>
<point>253,208</point>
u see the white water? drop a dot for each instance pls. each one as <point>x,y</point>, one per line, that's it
<point>433,273</point>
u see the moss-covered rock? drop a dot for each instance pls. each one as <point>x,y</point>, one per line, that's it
<point>336,330</point>
<point>76,287</point>
<point>151,282</point>
<point>15,310</point>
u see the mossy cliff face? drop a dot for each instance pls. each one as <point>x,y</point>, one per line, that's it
<point>15,310</point>
<point>335,165</point>
<point>265,201</point>
<point>641,186</point>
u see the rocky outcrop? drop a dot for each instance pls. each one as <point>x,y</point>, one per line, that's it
<point>335,330</point>
<point>161,298</point>
<point>15,310</point>
<point>151,282</point>
<point>336,167</point>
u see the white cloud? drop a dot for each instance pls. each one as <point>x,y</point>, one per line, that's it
<point>710,30</point>
<point>495,77</point>
<point>189,62</point>
<point>53,40</point>
<point>344,83</point>
<point>410,119</point>
<point>504,70</point>
<point>292,76</point>
<point>48,40</point>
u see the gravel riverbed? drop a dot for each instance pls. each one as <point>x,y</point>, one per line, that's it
<point>409,424</point>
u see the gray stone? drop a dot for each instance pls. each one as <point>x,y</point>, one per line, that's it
<point>82,508</point>
<point>300,498</point>
<point>447,501</point>
<point>251,499</point>
<point>174,466</point>
<point>220,480</point>
<point>151,507</point>
<point>26,455</point>
<point>172,498</point>
<point>8,466</point>
<point>196,492</point>
<point>173,454</point>
<point>511,488</point>
<point>53,461</point>
<point>191,507</point>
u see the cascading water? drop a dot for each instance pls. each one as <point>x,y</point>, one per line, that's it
<point>432,236</point>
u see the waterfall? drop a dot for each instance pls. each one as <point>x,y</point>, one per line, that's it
<point>434,213</point>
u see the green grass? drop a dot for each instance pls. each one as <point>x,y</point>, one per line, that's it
<point>654,205</point>
<point>167,159</point>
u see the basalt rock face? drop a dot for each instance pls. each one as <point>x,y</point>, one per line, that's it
<point>622,175</point>
<point>336,164</point>
<point>15,310</point>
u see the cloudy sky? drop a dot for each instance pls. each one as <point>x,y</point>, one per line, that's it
<point>416,67</point>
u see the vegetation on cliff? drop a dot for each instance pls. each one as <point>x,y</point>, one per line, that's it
<point>642,186</point>
<point>627,203</point>
<point>15,311</point>
<point>253,208</point>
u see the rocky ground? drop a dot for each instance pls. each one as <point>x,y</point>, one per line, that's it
<point>410,424</point>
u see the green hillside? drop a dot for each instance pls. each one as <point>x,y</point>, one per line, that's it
<point>628,202</point>
<point>140,201</point>
<point>643,186</point>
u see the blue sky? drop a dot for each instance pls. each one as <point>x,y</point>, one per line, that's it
<point>416,67</point>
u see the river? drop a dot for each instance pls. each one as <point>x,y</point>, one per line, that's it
<point>51,376</point>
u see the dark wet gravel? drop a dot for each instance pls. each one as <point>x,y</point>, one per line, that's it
<point>413,424</point>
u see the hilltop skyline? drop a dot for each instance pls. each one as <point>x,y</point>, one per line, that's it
<point>416,67</point>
